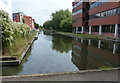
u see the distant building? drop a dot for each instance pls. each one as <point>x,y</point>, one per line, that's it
<point>6,6</point>
<point>29,21</point>
<point>21,17</point>
<point>18,17</point>
<point>97,17</point>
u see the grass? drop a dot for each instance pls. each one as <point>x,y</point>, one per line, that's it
<point>85,35</point>
<point>81,35</point>
<point>19,46</point>
<point>105,68</point>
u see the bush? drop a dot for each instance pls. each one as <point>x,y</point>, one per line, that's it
<point>10,30</point>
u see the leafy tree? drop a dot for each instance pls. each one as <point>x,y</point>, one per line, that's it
<point>66,25</point>
<point>58,16</point>
<point>37,26</point>
<point>48,25</point>
<point>59,20</point>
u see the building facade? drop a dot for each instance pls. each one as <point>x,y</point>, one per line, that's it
<point>29,21</point>
<point>6,6</point>
<point>97,17</point>
<point>23,18</point>
<point>18,17</point>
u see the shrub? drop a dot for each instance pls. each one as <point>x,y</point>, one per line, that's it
<point>10,30</point>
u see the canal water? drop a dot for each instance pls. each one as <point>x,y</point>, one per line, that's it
<point>58,53</point>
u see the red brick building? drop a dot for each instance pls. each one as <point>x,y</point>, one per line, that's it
<point>20,17</point>
<point>97,17</point>
<point>29,21</point>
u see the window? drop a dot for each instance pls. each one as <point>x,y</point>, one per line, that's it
<point>97,3</point>
<point>76,5</point>
<point>77,12</point>
<point>114,11</point>
<point>118,10</point>
<point>106,13</point>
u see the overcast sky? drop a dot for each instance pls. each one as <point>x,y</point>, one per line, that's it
<point>40,10</point>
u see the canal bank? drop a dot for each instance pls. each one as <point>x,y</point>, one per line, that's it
<point>16,60</point>
<point>89,37</point>
<point>54,53</point>
<point>87,75</point>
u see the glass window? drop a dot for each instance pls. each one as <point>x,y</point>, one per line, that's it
<point>114,11</point>
<point>118,10</point>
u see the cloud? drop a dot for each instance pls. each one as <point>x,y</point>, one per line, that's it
<point>40,9</point>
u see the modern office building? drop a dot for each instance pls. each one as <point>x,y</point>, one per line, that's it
<point>6,6</point>
<point>23,18</point>
<point>99,17</point>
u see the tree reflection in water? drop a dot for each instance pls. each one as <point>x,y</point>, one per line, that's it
<point>62,43</point>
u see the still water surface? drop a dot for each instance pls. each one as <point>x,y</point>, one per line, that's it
<point>58,53</point>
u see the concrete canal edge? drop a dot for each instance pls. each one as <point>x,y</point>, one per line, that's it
<point>86,75</point>
<point>27,49</point>
<point>18,61</point>
<point>117,40</point>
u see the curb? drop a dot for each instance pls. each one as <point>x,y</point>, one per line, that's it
<point>57,74</point>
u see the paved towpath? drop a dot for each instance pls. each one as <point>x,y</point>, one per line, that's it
<point>89,75</point>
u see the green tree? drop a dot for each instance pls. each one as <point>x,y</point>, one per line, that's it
<point>56,19</point>
<point>48,25</point>
<point>37,26</point>
<point>58,16</point>
<point>66,25</point>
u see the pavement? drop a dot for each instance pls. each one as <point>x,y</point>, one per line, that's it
<point>88,75</point>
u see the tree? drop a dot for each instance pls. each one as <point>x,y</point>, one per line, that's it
<point>58,16</point>
<point>48,25</point>
<point>66,25</point>
<point>56,19</point>
<point>37,26</point>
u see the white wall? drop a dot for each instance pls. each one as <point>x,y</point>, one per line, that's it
<point>7,7</point>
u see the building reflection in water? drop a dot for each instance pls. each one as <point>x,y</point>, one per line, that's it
<point>94,54</point>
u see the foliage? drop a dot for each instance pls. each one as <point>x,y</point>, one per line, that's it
<point>56,19</point>
<point>66,25</point>
<point>11,31</point>
<point>48,25</point>
<point>37,26</point>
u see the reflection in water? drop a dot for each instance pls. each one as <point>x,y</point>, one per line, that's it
<point>94,54</point>
<point>62,43</point>
<point>58,53</point>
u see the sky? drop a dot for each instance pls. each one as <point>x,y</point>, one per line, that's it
<point>40,10</point>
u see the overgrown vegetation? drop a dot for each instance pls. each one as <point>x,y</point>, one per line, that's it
<point>15,36</point>
<point>60,21</point>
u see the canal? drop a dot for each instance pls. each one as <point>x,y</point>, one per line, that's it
<point>59,53</point>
